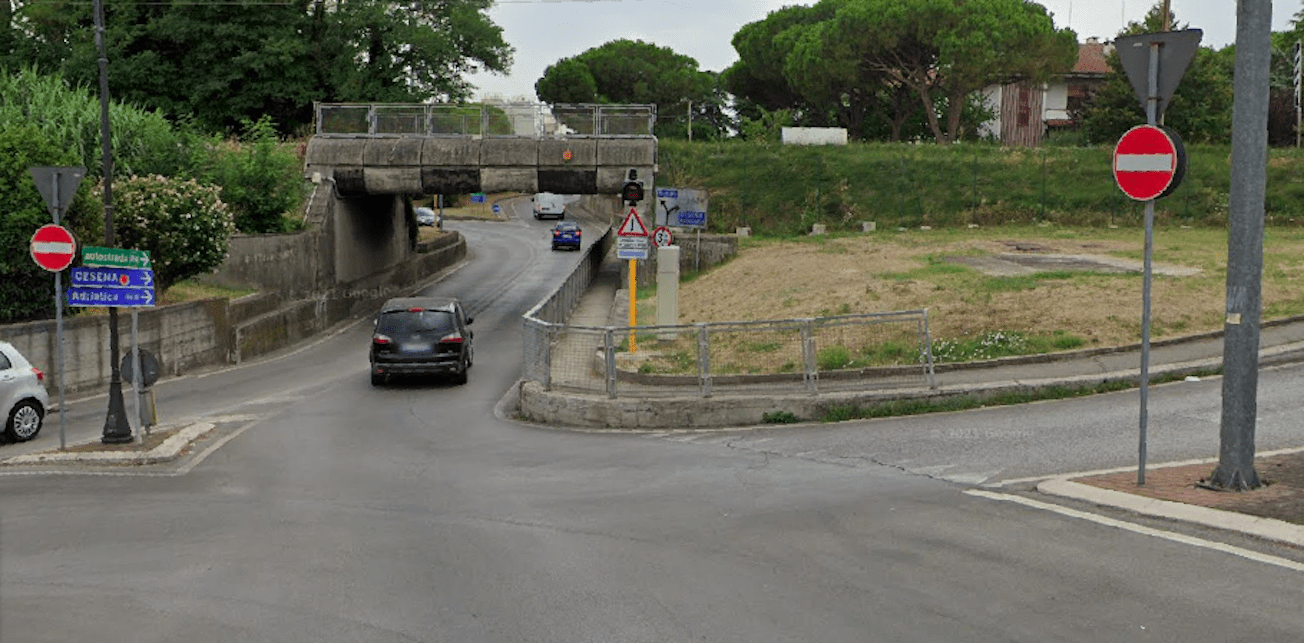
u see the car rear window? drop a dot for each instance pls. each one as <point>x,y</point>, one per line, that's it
<point>426,321</point>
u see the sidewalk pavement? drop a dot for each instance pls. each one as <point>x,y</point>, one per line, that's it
<point>1173,490</point>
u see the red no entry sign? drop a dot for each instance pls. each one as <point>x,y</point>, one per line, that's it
<point>53,247</point>
<point>1149,162</point>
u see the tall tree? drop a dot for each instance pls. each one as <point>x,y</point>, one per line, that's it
<point>758,80</point>
<point>223,63</point>
<point>633,72</point>
<point>957,48</point>
<point>860,59</point>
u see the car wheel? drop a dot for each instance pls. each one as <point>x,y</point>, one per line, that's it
<point>463,376</point>
<point>24,421</point>
<point>377,379</point>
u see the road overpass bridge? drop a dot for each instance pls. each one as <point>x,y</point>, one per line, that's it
<point>389,149</point>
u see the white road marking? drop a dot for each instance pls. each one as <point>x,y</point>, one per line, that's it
<point>1143,530</point>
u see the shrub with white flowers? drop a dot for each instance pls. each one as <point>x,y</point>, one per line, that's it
<point>183,224</point>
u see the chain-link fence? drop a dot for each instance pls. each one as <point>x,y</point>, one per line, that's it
<point>844,352</point>
<point>528,120</point>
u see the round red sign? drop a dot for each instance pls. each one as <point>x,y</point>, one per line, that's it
<point>1149,162</point>
<point>53,247</point>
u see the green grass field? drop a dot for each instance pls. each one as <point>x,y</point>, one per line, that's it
<point>782,190</point>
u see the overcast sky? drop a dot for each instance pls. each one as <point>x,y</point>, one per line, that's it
<point>545,31</point>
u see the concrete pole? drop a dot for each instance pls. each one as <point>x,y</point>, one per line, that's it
<point>1245,246</point>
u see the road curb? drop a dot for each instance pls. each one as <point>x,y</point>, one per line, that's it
<point>1267,528</point>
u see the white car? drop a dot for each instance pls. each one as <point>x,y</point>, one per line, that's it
<point>23,398</point>
<point>428,217</point>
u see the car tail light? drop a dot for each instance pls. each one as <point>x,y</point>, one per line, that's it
<point>416,310</point>
<point>380,339</point>
<point>556,233</point>
<point>40,377</point>
<point>455,338</point>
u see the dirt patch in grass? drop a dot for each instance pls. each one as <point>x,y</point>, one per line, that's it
<point>1096,295</point>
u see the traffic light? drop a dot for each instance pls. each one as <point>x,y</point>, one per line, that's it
<point>632,192</point>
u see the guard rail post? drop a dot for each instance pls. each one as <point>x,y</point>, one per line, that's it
<point>926,338</point>
<point>704,358</point>
<point>808,354</point>
<point>547,356</point>
<point>609,358</point>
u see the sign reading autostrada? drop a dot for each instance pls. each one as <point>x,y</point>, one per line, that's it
<point>115,257</point>
<point>113,277</point>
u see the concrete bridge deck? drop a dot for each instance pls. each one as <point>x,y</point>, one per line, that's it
<point>416,155</point>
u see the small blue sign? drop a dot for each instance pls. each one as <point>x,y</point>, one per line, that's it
<point>112,278</point>
<point>690,219</point>
<point>668,193</point>
<point>477,197</point>
<point>111,297</point>
<point>496,208</point>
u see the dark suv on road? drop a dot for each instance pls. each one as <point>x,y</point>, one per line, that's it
<point>421,336</point>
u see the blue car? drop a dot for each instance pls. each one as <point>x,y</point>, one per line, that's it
<point>566,234</point>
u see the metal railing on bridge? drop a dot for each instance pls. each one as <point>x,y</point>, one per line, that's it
<point>521,120</point>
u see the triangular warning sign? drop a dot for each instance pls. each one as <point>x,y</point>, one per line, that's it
<point>633,225</point>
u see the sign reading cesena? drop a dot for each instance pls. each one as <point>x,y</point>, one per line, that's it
<point>1149,162</point>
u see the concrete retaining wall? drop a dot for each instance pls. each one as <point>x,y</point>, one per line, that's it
<point>210,332</point>
<point>721,411</point>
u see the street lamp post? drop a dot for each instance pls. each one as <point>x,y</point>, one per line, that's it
<point>117,429</point>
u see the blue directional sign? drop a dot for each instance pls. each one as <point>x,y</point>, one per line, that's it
<point>112,278</point>
<point>110,297</point>
<point>688,219</point>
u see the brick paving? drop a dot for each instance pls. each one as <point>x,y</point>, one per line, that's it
<point>1281,497</point>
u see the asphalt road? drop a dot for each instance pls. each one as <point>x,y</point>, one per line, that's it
<point>343,512</point>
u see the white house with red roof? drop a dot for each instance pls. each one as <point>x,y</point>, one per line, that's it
<point>1024,112</point>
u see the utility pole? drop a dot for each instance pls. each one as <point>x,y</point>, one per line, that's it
<point>1245,247</point>
<point>117,429</point>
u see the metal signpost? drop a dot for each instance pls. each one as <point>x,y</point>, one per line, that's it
<point>684,208</point>
<point>57,185</point>
<point>632,244</point>
<point>117,278</point>
<point>1155,63</point>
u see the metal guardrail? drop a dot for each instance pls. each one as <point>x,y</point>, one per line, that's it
<point>521,120</point>
<point>844,352</point>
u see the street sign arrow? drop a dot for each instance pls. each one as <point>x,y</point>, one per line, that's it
<point>112,278</point>
<point>110,297</point>
<point>115,257</point>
